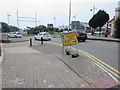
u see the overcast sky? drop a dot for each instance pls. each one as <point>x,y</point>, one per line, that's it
<point>48,9</point>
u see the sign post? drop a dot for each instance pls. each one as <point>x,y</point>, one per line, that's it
<point>69,39</point>
<point>0,39</point>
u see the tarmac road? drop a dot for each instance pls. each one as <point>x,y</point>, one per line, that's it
<point>105,51</point>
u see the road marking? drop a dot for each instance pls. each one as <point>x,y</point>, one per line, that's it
<point>108,73</point>
<point>101,63</point>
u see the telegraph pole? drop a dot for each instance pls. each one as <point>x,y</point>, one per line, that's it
<point>93,15</point>
<point>35,19</point>
<point>93,10</point>
<point>8,15</point>
<point>69,14</point>
<point>17,20</point>
<point>54,24</point>
<point>74,17</point>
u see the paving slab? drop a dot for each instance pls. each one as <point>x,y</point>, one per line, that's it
<point>45,66</point>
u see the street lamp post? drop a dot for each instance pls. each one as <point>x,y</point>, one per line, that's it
<point>54,24</point>
<point>8,15</point>
<point>74,17</point>
<point>69,14</point>
<point>93,15</point>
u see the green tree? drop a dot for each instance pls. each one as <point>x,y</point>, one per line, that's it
<point>5,27</point>
<point>13,28</point>
<point>50,29</point>
<point>37,29</point>
<point>99,19</point>
<point>40,28</point>
<point>117,28</point>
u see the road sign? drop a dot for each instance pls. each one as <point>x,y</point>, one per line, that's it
<point>69,39</point>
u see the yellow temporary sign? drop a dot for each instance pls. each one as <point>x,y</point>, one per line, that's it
<point>69,39</point>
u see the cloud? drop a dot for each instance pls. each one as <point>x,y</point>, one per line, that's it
<point>48,9</point>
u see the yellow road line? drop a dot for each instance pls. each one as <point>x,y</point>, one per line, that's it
<point>81,51</point>
<point>101,61</point>
<point>94,58</point>
<point>104,67</point>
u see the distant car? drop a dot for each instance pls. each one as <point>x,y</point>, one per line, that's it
<point>15,35</point>
<point>97,32</point>
<point>4,36</point>
<point>44,35</point>
<point>81,34</point>
<point>103,32</point>
<point>65,32</point>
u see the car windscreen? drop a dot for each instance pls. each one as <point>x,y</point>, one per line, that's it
<point>13,33</point>
<point>18,33</point>
<point>82,31</point>
<point>40,34</point>
<point>46,34</point>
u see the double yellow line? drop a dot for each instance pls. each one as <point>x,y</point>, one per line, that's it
<point>98,61</point>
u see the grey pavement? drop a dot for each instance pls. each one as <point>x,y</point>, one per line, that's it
<point>45,66</point>
<point>0,73</point>
<point>103,38</point>
<point>15,40</point>
<point>96,37</point>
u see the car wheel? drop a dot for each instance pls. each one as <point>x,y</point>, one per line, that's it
<point>15,36</point>
<point>83,40</point>
<point>35,38</point>
<point>49,39</point>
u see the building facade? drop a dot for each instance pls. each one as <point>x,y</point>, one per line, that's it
<point>117,10</point>
<point>75,25</point>
<point>112,22</point>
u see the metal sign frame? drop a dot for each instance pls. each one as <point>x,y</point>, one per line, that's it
<point>69,39</point>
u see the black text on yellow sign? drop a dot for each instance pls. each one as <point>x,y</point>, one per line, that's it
<point>69,39</point>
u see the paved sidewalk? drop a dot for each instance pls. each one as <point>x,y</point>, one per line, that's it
<point>96,37</point>
<point>0,73</point>
<point>103,38</point>
<point>44,66</point>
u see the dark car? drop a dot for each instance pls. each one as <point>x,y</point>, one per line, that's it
<point>81,34</point>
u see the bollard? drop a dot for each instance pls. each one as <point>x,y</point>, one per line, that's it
<point>30,41</point>
<point>41,40</point>
<point>0,50</point>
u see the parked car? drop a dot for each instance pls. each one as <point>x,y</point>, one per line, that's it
<point>81,34</point>
<point>44,35</point>
<point>97,32</point>
<point>15,35</point>
<point>65,32</point>
<point>4,38</point>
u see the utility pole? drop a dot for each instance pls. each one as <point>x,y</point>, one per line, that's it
<point>39,21</point>
<point>93,15</point>
<point>35,19</point>
<point>54,24</point>
<point>8,15</point>
<point>74,17</point>
<point>69,15</point>
<point>94,10</point>
<point>17,20</point>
